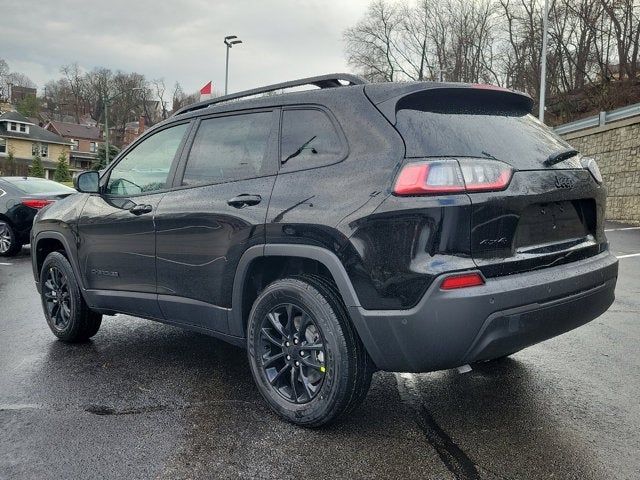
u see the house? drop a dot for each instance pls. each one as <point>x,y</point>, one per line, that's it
<point>133,130</point>
<point>84,141</point>
<point>19,93</point>
<point>26,140</point>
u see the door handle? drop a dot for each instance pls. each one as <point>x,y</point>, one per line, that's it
<point>140,209</point>
<point>244,200</point>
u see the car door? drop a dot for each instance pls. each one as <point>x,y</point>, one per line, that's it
<point>215,213</point>
<point>116,229</point>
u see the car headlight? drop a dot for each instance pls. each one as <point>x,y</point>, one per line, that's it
<point>590,164</point>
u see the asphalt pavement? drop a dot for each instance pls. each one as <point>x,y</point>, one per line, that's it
<point>146,400</point>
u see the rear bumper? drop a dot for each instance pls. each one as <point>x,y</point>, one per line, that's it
<point>447,329</point>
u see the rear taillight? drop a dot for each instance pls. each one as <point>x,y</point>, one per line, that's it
<point>464,280</point>
<point>36,203</point>
<point>438,177</point>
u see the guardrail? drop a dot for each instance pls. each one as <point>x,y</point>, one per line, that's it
<point>598,120</point>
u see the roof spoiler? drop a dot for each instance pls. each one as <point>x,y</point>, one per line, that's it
<point>391,97</point>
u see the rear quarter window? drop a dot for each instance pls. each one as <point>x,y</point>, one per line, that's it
<point>309,139</point>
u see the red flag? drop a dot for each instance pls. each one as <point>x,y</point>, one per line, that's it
<point>206,90</point>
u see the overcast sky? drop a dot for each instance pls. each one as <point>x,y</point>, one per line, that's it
<point>179,40</point>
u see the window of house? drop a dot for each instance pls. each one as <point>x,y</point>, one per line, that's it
<point>44,150</point>
<point>3,145</point>
<point>93,147</point>
<point>309,139</point>
<point>74,144</point>
<point>229,148</point>
<point>35,149</point>
<point>23,127</point>
<point>12,127</point>
<point>146,167</point>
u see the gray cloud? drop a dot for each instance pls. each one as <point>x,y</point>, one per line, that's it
<point>179,40</point>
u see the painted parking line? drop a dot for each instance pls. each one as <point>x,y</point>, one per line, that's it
<point>628,255</point>
<point>6,264</point>
<point>621,229</point>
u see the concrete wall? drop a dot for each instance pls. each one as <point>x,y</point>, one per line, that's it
<point>616,148</point>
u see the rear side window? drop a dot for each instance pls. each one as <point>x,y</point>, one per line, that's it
<point>229,148</point>
<point>309,139</point>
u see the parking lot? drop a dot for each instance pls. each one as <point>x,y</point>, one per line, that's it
<point>146,400</point>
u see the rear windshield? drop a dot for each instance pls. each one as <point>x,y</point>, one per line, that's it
<point>462,127</point>
<point>35,185</point>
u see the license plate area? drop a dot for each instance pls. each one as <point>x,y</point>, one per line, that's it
<point>555,222</point>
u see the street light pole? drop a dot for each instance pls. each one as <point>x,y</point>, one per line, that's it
<point>106,121</point>
<point>229,41</point>
<point>543,67</point>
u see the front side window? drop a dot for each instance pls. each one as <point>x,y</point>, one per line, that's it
<point>44,150</point>
<point>23,127</point>
<point>309,139</point>
<point>74,144</point>
<point>229,148</point>
<point>92,147</point>
<point>3,145</point>
<point>146,167</point>
<point>35,149</point>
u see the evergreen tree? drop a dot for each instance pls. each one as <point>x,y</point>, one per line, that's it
<point>101,162</point>
<point>62,173</point>
<point>36,169</point>
<point>10,163</point>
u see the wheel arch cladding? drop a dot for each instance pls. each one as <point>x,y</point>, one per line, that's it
<point>328,263</point>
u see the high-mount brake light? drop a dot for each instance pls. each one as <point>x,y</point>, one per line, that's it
<point>462,281</point>
<point>36,203</point>
<point>441,177</point>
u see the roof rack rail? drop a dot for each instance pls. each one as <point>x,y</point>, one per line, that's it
<point>323,81</point>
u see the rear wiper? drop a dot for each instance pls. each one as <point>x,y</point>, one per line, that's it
<point>559,156</point>
<point>300,150</point>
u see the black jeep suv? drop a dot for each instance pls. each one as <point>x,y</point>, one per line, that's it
<point>335,231</point>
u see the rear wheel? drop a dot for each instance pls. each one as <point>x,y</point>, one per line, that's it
<point>67,314</point>
<point>305,356</point>
<point>9,243</point>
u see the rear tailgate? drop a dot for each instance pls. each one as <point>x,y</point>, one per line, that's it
<point>550,213</point>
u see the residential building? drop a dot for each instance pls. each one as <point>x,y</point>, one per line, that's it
<point>133,130</point>
<point>84,141</point>
<point>26,140</point>
<point>19,93</point>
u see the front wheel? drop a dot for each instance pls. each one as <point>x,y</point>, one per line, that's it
<point>305,356</point>
<point>67,314</point>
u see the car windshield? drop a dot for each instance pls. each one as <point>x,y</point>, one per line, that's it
<point>38,185</point>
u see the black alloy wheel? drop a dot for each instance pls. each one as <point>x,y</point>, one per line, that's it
<point>305,355</point>
<point>293,358</point>
<point>68,315</point>
<point>57,297</point>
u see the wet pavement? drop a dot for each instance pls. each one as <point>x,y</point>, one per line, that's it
<point>146,400</point>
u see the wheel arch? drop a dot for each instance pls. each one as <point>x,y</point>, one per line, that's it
<point>327,259</point>
<point>50,241</point>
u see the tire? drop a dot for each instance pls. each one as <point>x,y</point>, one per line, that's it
<point>9,243</point>
<point>70,319</point>
<point>320,322</point>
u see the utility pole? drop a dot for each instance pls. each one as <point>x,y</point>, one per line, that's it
<point>229,41</point>
<point>543,68</point>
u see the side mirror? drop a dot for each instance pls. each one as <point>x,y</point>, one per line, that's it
<point>87,182</point>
